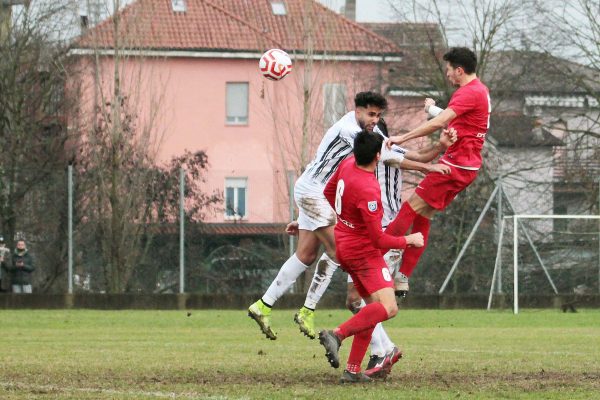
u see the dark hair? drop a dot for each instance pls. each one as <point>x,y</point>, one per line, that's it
<point>365,99</point>
<point>382,125</point>
<point>462,57</point>
<point>366,146</point>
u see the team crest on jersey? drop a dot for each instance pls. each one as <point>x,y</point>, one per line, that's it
<point>372,206</point>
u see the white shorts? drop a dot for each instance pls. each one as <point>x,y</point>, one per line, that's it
<point>313,209</point>
<point>393,259</point>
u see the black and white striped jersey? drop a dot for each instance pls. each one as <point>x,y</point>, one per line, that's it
<point>335,146</point>
<point>390,181</point>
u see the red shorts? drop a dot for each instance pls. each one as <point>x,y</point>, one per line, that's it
<point>438,190</point>
<point>368,274</point>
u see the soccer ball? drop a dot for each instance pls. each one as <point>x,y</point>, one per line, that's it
<point>275,64</point>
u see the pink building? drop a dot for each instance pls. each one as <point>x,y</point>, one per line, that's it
<point>199,87</point>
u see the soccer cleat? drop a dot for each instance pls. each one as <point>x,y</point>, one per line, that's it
<point>375,360</point>
<point>400,284</point>
<point>359,377</point>
<point>305,318</point>
<point>380,367</point>
<point>332,344</point>
<point>262,315</point>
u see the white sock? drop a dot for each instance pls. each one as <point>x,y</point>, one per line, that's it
<point>321,279</point>
<point>377,342</point>
<point>388,345</point>
<point>289,272</point>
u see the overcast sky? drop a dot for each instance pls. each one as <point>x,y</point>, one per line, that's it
<point>366,10</point>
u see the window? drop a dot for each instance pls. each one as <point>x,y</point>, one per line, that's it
<point>237,103</point>
<point>334,97</point>
<point>178,5</point>
<point>235,197</point>
<point>278,8</point>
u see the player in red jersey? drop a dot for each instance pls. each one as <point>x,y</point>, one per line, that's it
<point>355,194</point>
<point>469,114</point>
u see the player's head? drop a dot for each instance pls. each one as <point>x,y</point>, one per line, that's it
<point>369,108</point>
<point>367,147</point>
<point>460,61</point>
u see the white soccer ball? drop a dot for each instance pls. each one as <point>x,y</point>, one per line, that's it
<point>275,64</point>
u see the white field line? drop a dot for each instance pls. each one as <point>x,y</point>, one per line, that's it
<point>558,353</point>
<point>157,394</point>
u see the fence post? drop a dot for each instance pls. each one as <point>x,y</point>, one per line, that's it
<point>291,198</point>
<point>181,231</point>
<point>515,266</point>
<point>70,227</point>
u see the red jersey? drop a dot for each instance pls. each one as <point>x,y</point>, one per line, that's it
<point>355,195</point>
<point>471,104</point>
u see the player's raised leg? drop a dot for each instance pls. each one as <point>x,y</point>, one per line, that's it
<point>415,212</point>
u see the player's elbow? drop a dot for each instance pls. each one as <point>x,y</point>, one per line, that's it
<point>438,123</point>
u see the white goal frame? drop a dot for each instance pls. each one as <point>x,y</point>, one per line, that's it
<point>503,200</point>
<point>498,266</point>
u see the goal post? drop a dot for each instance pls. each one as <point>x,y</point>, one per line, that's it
<point>516,224</point>
<point>560,259</point>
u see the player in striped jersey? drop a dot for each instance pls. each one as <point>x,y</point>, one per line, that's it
<point>316,219</point>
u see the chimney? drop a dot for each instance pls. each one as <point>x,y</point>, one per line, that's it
<point>350,10</point>
<point>83,22</point>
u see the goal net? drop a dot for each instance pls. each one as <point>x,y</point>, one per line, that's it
<point>547,254</point>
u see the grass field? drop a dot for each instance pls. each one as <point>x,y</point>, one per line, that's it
<point>221,355</point>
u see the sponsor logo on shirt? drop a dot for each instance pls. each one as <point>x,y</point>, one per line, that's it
<point>372,206</point>
<point>348,224</point>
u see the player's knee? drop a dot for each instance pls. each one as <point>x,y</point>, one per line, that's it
<point>307,257</point>
<point>353,304</point>
<point>391,308</point>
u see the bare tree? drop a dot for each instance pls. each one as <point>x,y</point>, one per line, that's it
<point>118,154</point>
<point>575,35</point>
<point>33,132</point>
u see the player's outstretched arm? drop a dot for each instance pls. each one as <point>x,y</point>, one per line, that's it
<point>426,128</point>
<point>378,238</point>
<point>423,167</point>
<point>428,153</point>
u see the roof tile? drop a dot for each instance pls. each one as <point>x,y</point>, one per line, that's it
<point>237,25</point>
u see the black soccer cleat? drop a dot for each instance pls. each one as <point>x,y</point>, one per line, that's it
<point>359,377</point>
<point>380,367</point>
<point>332,344</point>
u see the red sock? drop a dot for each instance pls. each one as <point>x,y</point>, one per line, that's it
<point>411,255</point>
<point>360,343</point>
<point>402,222</point>
<point>369,316</point>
